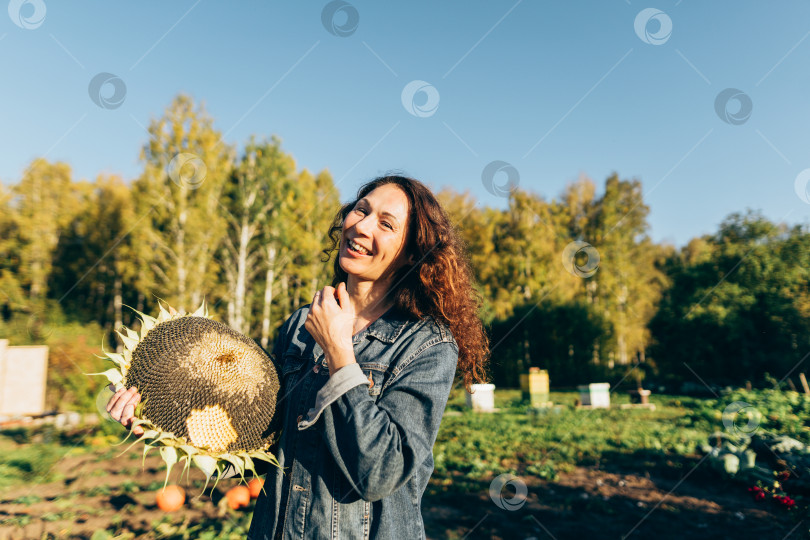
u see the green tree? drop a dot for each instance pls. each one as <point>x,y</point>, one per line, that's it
<point>93,276</point>
<point>317,202</point>
<point>627,285</point>
<point>558,336</point>
<point>12,295</point>
<point>43,203</point>
<point>737,307</point>
<point>177,205</point>
<point>252,199</point>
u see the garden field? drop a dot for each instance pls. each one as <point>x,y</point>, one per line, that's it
<point>692,468</point>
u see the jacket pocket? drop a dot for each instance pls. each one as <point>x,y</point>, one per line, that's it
<point>376,375</point>
<point>292,370</point>
<point>291,364</point>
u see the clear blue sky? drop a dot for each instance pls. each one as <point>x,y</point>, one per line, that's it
<point>557,89</point>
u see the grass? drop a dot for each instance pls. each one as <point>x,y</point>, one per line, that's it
<point>481,445</point>
<point>471,449</point>
<point>513,440</point>
<point>28,463</point>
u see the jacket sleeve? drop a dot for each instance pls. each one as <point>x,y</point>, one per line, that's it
<point>379,445</point>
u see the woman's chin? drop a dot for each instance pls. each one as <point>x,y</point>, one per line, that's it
<point>347,265</point>
<point>353,269</point>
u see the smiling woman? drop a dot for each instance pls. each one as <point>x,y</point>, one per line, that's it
<point>366,370</point>
<point>399,323</point>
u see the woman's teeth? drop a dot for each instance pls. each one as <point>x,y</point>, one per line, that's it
<point>358,249</point>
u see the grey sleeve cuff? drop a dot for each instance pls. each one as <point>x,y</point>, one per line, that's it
<point>338,384</point>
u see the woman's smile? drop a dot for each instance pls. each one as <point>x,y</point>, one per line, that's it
<point>356,249</point>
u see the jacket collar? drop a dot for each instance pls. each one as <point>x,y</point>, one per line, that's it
<point>386,328</point>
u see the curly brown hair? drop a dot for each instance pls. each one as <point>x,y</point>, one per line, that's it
<point>440,283</point>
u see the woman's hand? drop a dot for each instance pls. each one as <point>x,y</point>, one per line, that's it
<point>122,408</point>
<point>331,325</point>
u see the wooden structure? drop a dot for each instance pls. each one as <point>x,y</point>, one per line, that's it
<point>23,373</point>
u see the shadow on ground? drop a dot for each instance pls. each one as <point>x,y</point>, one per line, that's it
<point>672,499</point>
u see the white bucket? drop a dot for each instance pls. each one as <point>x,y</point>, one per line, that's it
<point>483,397</point>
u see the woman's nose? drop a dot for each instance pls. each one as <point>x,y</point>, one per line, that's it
<point>364,226</point>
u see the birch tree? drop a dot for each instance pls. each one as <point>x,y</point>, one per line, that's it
<point>293,240</point>
<point>253,196</point>
<point>186,165</point>
<point>627,285</point>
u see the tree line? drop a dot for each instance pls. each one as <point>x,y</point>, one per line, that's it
<point>573,284</point>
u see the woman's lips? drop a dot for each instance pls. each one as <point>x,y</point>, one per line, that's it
<point>354,253</point>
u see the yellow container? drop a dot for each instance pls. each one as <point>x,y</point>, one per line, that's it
<point>534,386</point>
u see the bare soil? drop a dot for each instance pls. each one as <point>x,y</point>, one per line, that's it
<point>593,503</point>
<point>94,491</point>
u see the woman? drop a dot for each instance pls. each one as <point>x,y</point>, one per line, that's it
<point>366,371</point>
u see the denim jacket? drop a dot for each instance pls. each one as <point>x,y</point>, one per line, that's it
<point>356,446</point>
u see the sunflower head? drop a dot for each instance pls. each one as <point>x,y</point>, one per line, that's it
<point>208,393</point>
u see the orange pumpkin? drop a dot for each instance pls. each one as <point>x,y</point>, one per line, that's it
<point>170,498</point>
<point>238,497</point>
<point>255,487</point>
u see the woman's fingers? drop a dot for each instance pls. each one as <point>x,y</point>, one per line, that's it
<point>114,401</point>
<point>121,400</point>
<point>129,410</point>
<point>122,408</point>
<point>114,398</point>
<point>128,414</point>
<point>342,295</point>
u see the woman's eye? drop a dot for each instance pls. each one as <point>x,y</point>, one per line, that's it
<point>387,224</point>
<point>360,210</point>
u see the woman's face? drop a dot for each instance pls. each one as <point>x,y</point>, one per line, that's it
<point>378,224</point>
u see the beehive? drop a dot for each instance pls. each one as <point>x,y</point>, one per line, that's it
<point>534,387</point>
